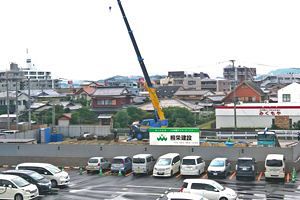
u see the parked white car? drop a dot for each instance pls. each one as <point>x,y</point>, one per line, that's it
<point>15,187</point>
<point>209,189</point>
<point>167,165</point>
<point>95,163</point>
<point>192,165</point>
<point>51,172</point>
<point>275,166</point>
<point>184,196</point>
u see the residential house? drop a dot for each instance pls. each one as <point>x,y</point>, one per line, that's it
<point>167,91</point>
<point>290,93</point>
<point>85,93</point>
<point>165,103</point>
<point>192,95</point>
<point>22,100</point>
<point>110,99</point>
<point>216,85</point>
<point>247,91</point>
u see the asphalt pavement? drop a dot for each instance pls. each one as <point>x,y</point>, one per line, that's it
<point>129,187</point>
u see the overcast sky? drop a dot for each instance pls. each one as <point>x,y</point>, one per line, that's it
<point>82,39</point>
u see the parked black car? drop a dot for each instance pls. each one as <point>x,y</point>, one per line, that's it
<point>246,168</point>
<point>43,184</point>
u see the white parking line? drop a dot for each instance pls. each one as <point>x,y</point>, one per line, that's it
<point>152,187</point>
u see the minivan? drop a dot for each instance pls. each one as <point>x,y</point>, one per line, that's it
<point>219,167</point>
<point>142,164</point>
<point>15,187</point>
<point>192,165</point>
<point>245,168</point>
<point>43,184</point>
<point>51,172</point>
<point>167,165</point>
<point>121,164</point>
<point>275,166</point>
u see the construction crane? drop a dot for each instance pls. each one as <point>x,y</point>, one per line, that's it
<point>160,120</point>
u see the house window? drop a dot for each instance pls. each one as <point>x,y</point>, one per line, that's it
<point>286,97</point>
<point>104,102</point>
<point>191,82</point>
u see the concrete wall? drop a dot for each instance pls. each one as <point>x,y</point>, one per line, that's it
<point>77,155</point>
<point>77,130</point>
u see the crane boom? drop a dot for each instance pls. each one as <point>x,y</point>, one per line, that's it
<point>152,91</point>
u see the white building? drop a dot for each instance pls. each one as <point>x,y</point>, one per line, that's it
<point>257,115</point>
<point>290,93</point>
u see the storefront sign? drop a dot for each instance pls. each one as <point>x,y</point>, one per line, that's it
<point>174,136</point>
<point>269,111</point>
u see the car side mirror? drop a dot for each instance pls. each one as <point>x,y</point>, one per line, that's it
<point>10,186</point>
<point>173,163</point>
<point>216,190</point>
<point>45,173</point>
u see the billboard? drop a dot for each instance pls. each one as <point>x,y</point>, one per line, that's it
<point>174,136</point>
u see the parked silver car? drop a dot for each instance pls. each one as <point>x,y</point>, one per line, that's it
<point>97,163</point>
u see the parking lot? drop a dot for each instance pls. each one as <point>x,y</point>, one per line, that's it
<point>107,186</point>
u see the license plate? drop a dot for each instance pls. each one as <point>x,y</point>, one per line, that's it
<point>160,173</point>
<point>215,174</point>
<point>244,168</point>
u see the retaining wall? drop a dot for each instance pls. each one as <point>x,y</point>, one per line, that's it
<point>77,155</point>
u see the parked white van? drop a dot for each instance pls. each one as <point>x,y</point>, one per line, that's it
<point>15,187</point>
<point>192,165</point>
<point>51,172</point>
<point>167,165</point>
<point>142,164</point>
<point>275,166</point>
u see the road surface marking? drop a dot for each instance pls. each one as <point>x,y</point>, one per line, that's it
<point>259,176</point>
<point>178,176</point>
<point>128,174</point>
<point>233,175</point>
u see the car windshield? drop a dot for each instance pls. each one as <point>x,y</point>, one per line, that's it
<point>20,182</point>
<point>274,163</point>
<point>188,162</point>
<point>53,169</point>
<point>264,137</point>
<point>164,161</point>
<point>242,162</point>
<point>138,160</point>
<point>117,161</point>
<point>93,160</point>
<point>217,163</point>
<point>218,186</point>
<point>36,176</point>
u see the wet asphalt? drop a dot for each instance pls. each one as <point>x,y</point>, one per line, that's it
<point>129,187</point>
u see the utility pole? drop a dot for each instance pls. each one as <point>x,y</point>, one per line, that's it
<point>16,108</point>
<point>29,105</point>
<point>7,101</point>
<point>234,94</point>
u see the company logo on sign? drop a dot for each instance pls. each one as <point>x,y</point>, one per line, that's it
<point>269,111</point>
<point>162,138</point>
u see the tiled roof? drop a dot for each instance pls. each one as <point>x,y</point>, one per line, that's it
<point>171,103</point>
<point>191,92</point>
<point>167,91</point>
<point>110,91</point>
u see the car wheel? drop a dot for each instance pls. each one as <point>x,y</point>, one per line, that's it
<point>53,183</point>
<point>223,198</point>
<point>18,197</point>
<point>171,172</point>
<point>87,171</point>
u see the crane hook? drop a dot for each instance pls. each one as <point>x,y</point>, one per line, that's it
<point>109,8</point>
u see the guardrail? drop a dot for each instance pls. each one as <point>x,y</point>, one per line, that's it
<point>287,135</point>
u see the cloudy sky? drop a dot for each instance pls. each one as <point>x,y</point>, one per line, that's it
<point>82,39</point>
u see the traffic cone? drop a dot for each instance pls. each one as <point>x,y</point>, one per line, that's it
<point>100,172</point>
<point>80,171</point>
<point>120,173</point>
<point>294,175</point>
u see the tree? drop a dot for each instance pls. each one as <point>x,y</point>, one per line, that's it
<point>179,117</point>
<point>121,119</point>
<point>84,116</point>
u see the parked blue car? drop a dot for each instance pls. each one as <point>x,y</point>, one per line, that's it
<point>121,164</point>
